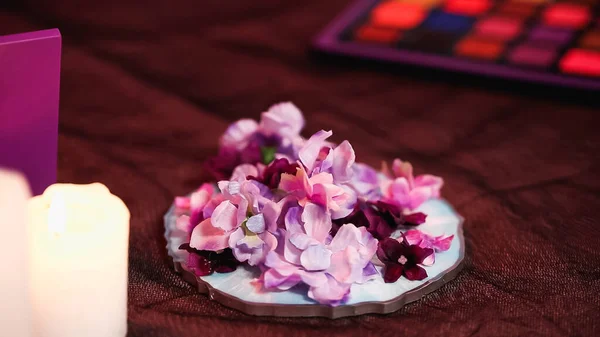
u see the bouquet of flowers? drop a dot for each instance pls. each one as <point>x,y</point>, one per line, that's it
<point>303,211</point>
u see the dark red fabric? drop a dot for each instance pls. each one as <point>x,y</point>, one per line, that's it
<point>148,86</point>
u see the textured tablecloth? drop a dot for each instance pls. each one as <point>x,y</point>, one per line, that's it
<point>148,86</point>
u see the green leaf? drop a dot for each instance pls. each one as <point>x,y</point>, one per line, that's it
<point>268,154</point>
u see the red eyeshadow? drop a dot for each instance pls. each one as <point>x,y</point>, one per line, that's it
<point>517,9</point>
<point>497,27</point>
<point>581,62</point>
<point>398,15</point>
<point>467,7</point>
<point>477,47</point>
<point>566,15</point>
<point>368,33</point>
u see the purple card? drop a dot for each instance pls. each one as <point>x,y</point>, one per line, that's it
<point>29,90</point>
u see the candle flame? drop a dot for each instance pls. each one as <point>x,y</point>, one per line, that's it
<point>57,214</point>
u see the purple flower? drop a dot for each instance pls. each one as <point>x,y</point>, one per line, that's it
<point>284,120</point>
<point>307,254</point>
<point>402,259</point>
<point>318,156</point>
<point>244,221</point>
<point>403,189</point>
<point>204,262</point>
<point>365,181</point>
<point>248,142</point>
<point>271,175</point>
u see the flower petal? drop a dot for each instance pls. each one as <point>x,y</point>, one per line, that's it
<point>292,220</point>
<point>442,244</point>
<point>271,212</point>
<point>225,216</point>
<point>317,222</point>
<point>237,134</point>
<point>415,273</point>
<point>273,279</point>
<point>183,224</point>
<point>309,153</point>
<point>284,119</point>
<point>302,241</point>
<point>420,254</point>
<point>256,223</point>
<point>403,169</point>
<point>415,219</point>
<point>241,172</point>
<point>199,265</point>
<point>207,237</point>
<point>389,250</point>
<point>316,257</point>
<point>392,272</point>
<point>345,266</point>
<point>290,252</point>
<point>346,236</point>
<point>331,292</point>
<point>343,159</point>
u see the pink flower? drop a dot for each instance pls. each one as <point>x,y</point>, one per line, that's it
<point>319,155</point>
<point>284,120</point>
<point>238,135</point>
<point>192,213</point>
<point>319,189</point>
<point>244,221</point>
<point>277,135</point>
<point>308,255</point>
<point>406,191</point>
<point>437,243</point>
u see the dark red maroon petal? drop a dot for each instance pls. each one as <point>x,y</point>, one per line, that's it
<point>392,272</point>
<point>415,273</point>
<point>415,219</point>
<point>389,250</point>
<point>418,254</point>
<point>200,265</point>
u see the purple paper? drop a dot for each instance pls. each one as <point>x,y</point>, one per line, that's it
<point>29,90</point>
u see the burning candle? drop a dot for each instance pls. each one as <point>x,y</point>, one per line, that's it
<point>15,310</point>
<point>79,236</point>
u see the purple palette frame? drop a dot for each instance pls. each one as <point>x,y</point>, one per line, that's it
<point>328,41</point>
<point>29,99</point>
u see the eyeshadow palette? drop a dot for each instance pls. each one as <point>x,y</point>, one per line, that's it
<point>542,41</point>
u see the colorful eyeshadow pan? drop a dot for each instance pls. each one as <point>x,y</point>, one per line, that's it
<point>581,61</point>
<point>446,22</point>
<point>398,15</point>
<point>550,41</point>
<point>369,33</point>
<point>499,27</point>
<point>517,9</point>
<point>467,7</point>
<point>531,55</point>
<point>566,15</point>
<point>480,48</point>
<point>550,35</point>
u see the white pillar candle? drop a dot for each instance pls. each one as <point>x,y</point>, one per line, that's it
<point>15,309</point>
<point>79,236</point>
